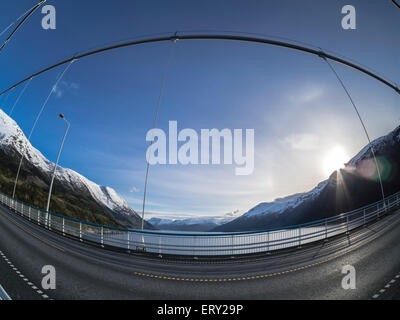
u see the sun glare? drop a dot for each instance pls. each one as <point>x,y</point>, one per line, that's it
<point>334,160</point>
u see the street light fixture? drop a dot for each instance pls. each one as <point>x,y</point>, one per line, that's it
<point>55,167</point>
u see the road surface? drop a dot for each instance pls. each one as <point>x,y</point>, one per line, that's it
<point>87,272</point>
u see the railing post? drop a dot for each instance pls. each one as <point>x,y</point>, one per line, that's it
<point>159,246</point>
<point>29,213</point>
<point>365,222</point>
<point>80,231</point>
<point>299,237</point>
<point>194,247</point>
<point>128,241</point>
<point>63,227</point>
<point>326,229</point>
<point>232,246</point>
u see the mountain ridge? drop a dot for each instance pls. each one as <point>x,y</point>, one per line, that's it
<point>14,143</point>
<point>347,189</point>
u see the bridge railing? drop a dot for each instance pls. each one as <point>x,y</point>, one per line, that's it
<point>205,243</point>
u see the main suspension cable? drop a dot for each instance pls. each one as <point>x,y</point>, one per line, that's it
<point>26,15</point>
<point>253,39</point>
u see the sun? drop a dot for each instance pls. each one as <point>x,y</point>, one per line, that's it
<point>334,160</point>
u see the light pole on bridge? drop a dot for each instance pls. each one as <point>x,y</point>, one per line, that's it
<point>55,167</point>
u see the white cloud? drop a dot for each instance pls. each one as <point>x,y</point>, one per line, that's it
<point>310,94</point>
<point>64,86</point>
<point>303,142</point>
<point>134,190</point>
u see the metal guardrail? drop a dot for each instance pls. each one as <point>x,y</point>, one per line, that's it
<point>206,243</point>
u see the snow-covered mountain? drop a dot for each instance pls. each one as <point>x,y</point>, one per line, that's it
<point>282,204</point>
<point>192,224</point>
<point>381,144</point>
<point>356,185</point>
<point>14,142</point>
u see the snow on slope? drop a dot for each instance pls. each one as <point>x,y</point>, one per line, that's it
<point>282,204</point>
<point>192,221</point>
<point>11,135</point>
<point>377,144</point>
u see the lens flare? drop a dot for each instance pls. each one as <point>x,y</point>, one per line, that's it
<point>334,160</point>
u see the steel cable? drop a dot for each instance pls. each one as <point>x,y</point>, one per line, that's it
<point>26,15</point>
<point>53,89</point>
<point>362,123</point>
<point>155,124</point>
<point>19,97</point>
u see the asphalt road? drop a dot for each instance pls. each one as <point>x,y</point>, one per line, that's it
<point>87,272</point>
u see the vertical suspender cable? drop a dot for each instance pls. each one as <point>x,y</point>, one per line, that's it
<point>16,20</point>
<point>19,96</point>
<point>155,124</point>
<point>36,121</point>
<point>6,99</point>
<point>26,15</point>
<point>362,123</point>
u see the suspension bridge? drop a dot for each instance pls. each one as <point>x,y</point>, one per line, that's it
<point>268,264</point>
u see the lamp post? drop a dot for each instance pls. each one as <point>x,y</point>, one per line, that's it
<point>55,167</point>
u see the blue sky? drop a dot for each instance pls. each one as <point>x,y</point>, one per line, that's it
<point>292,100</point>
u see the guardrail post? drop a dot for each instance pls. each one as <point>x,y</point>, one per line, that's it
<point>29,213</point>
<point>365,222</point>
<point>299,237</point>
<point>159,246</point>
<point>326,229</point>
<point>63,227</point>
<point>128,241</point>
<point>80,231</point>
<point>102,237</point>
<point>194,247</point>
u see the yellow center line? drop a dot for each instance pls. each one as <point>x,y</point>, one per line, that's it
<point>149,275</point>
<point>247,277</point>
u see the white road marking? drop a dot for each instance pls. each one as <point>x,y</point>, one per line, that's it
<point>387,286</point>
<point>4,295</point>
